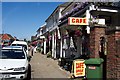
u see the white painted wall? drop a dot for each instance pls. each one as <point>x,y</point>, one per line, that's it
<point>53,45</point>
<point>52,24</point>
<point>45,47</point>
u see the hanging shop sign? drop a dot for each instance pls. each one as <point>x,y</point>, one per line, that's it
<point>77,21</point>
<point>79,68</point>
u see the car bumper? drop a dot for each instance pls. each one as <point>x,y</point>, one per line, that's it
<point>13,76</point>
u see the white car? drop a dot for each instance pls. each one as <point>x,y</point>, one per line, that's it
<point>14,63</point>
<point>20,43</point>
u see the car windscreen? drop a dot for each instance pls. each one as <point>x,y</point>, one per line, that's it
<point>12,54</point>
<point>20,45</point>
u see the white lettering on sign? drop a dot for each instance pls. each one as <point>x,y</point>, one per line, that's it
<point>77,21</point>
<point>92,67</point>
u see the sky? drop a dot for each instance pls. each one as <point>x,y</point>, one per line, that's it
<point>22,19</point>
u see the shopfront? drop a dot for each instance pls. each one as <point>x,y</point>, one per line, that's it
<point>75,39</point>
<point>97,39</point>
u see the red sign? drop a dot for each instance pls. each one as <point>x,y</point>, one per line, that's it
<point>77,21</point>
<point>79,68</point>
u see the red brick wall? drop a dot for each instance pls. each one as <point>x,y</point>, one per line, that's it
<point>95,35</point>
<point>113,56</point>
<point>113,49</point>
<point>111,59</point>
<point>118,58</point>
<point>117,37</point>
<point>92,42</point>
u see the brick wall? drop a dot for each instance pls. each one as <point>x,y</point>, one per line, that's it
<point>111,60</point>
<point>113,56</point>
<point>95,35</point>
<point>118,58</point>
<point>92,42</point>
<point>117,37</point>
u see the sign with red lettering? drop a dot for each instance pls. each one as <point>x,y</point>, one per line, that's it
<point>77,21</point>
<point>79,68</point>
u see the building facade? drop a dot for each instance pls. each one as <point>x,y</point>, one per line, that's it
<point>42,38</point>
<point>54,34</point>
<point>83,30</point>
<point>99,37</point>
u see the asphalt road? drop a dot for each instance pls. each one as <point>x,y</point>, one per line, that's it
<point>43,67</point>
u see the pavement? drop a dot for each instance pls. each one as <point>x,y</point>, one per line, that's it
<point>43,67</point>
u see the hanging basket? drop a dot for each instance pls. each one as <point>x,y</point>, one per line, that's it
<point>78,32</point>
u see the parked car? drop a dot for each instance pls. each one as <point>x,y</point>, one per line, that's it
<point>20,43</point>
<point>14,63</point>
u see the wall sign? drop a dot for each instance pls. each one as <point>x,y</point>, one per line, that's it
<point>77,21</point>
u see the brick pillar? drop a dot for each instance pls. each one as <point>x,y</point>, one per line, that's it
<point>95,33</point>
<point>113,56</point>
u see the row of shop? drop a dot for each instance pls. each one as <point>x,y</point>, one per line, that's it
<point>85,30</point>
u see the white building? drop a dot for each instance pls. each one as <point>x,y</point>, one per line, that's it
<point>41,38</point>
<point>54,34</point>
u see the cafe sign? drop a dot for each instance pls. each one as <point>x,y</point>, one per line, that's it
<point>77,21</point>
<point>79,68</point>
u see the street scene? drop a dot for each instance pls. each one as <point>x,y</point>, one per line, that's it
<point>60,40</point>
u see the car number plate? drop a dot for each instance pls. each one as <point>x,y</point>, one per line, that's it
<point>4,76</point>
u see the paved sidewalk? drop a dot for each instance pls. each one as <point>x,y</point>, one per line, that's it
<point>43,67</point>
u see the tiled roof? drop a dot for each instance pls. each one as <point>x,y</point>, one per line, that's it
<point>6,36</point>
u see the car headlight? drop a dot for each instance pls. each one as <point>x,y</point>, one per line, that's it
<point>19,69</point>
